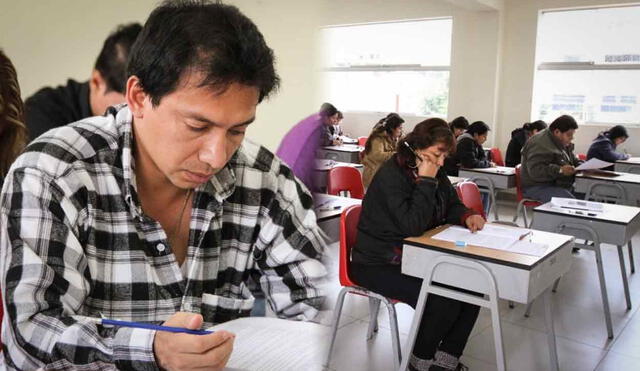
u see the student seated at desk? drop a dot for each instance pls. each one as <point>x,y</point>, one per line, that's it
<point>518,139</point>
<point>604,146</point>
<point>458,126</point>
<point>329,114</point>
<point>409,195</point>
<point>469,152</point>
<point>381,145</point>
<point>548,162</point>
<point>158,212</point>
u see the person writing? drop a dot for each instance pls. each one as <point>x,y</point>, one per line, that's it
<point>604,145</point>
<point>330,135</point>
<point>548,162</point>
<point>458,126</point>
<point>158,212</point>
<point>469,152</point>
<point>381,145</point>
<point>410,195</point>
<point>518,138</point>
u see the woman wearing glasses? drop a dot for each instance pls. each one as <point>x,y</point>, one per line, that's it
<point>409,195</point>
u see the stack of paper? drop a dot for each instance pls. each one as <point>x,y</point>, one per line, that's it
<point>494,237</point>
<point>593,164</point>
<point>572,203</point>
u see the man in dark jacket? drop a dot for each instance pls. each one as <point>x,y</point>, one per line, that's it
<point>52,107</point>
<point>604,146</point>
<point>548,161</point>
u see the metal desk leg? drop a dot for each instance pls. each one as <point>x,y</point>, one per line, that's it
<point>632,264</point>
<point>603,290</point>
<point>415,324</point>
<point>625,280</point>
<point>551,334</point>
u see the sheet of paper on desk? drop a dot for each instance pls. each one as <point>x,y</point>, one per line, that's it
<point>505,170</point>
<point>593,164</point>
<point>494,237</point>
<point>572,203</point>
<point>273,344</point>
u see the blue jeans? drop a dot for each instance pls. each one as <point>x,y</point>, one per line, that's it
<point>543,193</point>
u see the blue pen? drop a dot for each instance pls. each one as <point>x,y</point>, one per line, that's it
<point>149,326</point>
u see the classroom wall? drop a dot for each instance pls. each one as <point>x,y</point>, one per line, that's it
<point>521,20</point>
<point>492,62</point>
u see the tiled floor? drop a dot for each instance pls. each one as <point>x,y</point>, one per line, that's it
<point>579,322</point>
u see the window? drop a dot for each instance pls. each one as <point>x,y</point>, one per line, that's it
<point>588,65</point>
<point>396,66</point>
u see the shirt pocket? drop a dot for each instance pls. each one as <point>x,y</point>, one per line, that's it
<point>217,309</point>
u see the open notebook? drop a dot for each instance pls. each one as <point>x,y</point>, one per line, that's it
<point>273,344</point>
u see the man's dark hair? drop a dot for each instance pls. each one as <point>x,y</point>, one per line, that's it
<point>112,60</point>
<point>213,40</point>
<point>328,110</point>
<point>478,127</point>
<point>459,122</point>
<point>563,123</point>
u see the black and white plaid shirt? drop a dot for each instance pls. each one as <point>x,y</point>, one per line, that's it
<point>75,243</point>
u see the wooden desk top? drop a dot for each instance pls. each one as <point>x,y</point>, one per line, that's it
<point>326,165</point>
<point>522,261</point>
<point>621,178</point>
<point>630,160</point>
<point>345,148</point>
<point>329,202</point>
<point>498,170</point>
<point>617,214</point>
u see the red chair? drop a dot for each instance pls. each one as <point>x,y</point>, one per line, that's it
<point>348,231</point>
<point>496,156</point>
<point>362,141</point>
<point>582,156</point>
<point>470,196</point>
<point>345,179</point>
<point>523,202</point>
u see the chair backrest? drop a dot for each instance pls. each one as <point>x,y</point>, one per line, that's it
<point>518,184</point>
<point>362,141</point>
<point>496,156</point>
<point>470,196</point>
<point>348,230</point>
<point>582,156</point>
<point>345,178</point>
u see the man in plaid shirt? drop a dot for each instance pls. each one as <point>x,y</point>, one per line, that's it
<point>159,211</point>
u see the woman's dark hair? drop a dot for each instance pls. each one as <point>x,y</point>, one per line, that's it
<point>478,127</point>
<point>459,122</point>
<point>563,123</point>
<point>327,110</point>
<point>385,126</point>
<point>212,40</point>
<point>112,60</point>
<point>617,131</point>
<point>13,132</point>
<point>538,125</point>
<point>425,134</point>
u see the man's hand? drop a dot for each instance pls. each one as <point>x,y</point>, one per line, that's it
<point>337,142</point>
<point>187,352</point>
<point>492,164</point>
<point>475,223</point>
<point>568,170</point>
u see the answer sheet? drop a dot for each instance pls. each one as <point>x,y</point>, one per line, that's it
<point>495,237</point>
<point>273,344</point>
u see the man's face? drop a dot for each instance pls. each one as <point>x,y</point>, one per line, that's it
<point>481,138</point>
<point>564,138</point>
<point>194,131</point>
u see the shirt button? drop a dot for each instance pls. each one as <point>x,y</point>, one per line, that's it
<point>160,247</point>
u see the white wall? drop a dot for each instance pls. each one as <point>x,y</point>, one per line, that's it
<point>521,20</point>
<point>492,60</point>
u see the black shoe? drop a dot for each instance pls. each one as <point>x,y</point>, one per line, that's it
<point>462,367</point>
<point>575,250</point>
